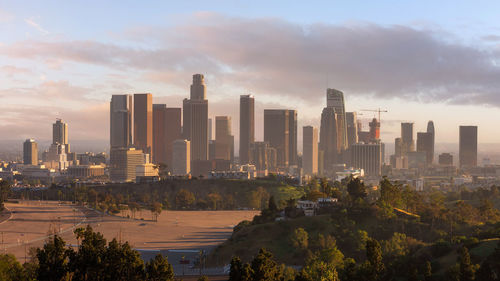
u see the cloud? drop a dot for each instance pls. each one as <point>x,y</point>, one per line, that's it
<point>35,25</point>
<point>11,70</point>
<point>279,58</point>
<point>491,38</point>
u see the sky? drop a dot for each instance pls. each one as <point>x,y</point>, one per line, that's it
<point>419,60</point>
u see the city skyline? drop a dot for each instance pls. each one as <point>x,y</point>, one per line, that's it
<point>53,71</point>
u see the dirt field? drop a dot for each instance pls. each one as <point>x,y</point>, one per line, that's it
<point>32,221</point>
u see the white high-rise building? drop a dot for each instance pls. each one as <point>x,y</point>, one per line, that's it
<point>181,158</point>
<point>310,150</point>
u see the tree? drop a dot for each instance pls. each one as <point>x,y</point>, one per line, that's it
<point>184,199</point>
<point>356,189</point>
<point>466,268</point>
<point>11,269</point>
<point>318,270</point>
<point>264,268</point>
<point>158,269</point>
<point>52,259</point>
<point>490,268</point>
<point>299,238</point>
<point>374,258</point>
<point>121,262</point>
<point>272,204</point>
<point>428,271</point>
<point>4,192</point>
<point>88,262</point>
<point>247,273</point>
<point>156,209</point>
<point>214,200</point>
<point>133,207</point>
<point>236,269</point>
<point>390,193</point>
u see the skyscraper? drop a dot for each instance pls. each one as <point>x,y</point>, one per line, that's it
<point>30,152</point>
<point>60,134</point>
<point>430,130</point>
<point>374,130</point>
<point>407,137</point>
<point>352,128</point>
<point>195,126</point>
<point>143,122</point>
<point>425,144</point>
<point>276,133</point>
<point>335,99</point>
<point>181,157</point>
<point>121,121</point>
<point>368,157</point>
<point>310,150</point>
<point>210,129</point>
<point>159,134</point>
<point>468,146</point>
<point>247,127</point>
<point>173,132</point>
<point>292,135</point>
<point>329,138</point>
<point>223,138</point>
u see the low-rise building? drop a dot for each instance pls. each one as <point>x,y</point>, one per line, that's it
<point>85,171</point>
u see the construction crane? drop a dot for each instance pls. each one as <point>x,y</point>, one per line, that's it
<point>375,110</point>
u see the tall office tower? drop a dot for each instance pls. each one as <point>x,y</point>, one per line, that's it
<point>198,88</point>
<point>211,150</point>
<point>310,150</point>
<point>468,146</point>
<point>210,129</point>
<point>407,137</point>
<point>368,156</point>
<point>445,159</point>
<point>60,134</point>
<point>374,130</point>
<point>143,122</point>
<point>276,133</point>
<point>160,134</point>
<point>335,99</point>
<point>30,152</point>
<point>181,158</point>
<point>425,144</point>
<point>398,147</point>
<point>123,164</point>
<point>292,136</point>
<point>121,121</point>
<point>195,126</point>
<point>186,119</point>
<point>223,138</point>
<point>329,138</point>
<point>247,127</point>
<point>173,132</point>
<point>352,128</point>
<point>430,130</point>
